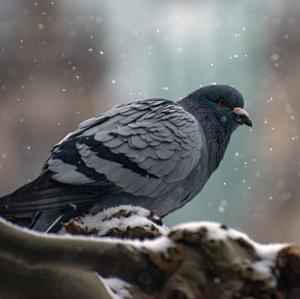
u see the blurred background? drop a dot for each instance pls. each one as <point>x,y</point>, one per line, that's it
<point>64,61</point>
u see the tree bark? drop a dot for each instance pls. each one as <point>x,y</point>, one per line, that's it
<point>197,260</point>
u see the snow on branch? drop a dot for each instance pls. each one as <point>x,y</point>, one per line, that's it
<point>126,252</point>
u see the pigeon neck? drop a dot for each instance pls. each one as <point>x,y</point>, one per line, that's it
<point>217,137</point>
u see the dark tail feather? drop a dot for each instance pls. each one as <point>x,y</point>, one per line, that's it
<point>52,220</point>
<point>46,194</point>
<point>45,204</point>
<point>25,222</point>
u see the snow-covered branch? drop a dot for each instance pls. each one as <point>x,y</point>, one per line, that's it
<point>193,260</point>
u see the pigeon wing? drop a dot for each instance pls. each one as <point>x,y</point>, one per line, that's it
<point>142,147</point>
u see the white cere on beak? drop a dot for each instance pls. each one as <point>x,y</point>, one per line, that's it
<point>240,111</point>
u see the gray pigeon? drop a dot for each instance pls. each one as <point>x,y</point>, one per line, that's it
<point>152,153</point>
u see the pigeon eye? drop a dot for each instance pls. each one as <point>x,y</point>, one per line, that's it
<point>222,102</point>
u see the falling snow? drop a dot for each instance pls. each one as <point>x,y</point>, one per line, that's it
<point>59,60</point>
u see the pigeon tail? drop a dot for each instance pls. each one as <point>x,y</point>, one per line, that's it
<point>46,196</point>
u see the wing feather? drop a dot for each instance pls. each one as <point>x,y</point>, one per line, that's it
<point>143,147</point>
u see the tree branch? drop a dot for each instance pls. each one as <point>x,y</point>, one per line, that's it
<point>196,260</point>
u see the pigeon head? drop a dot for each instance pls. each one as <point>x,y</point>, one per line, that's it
<point>225,103</point>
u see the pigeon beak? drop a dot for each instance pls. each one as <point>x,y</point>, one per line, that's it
<point>242,116</point>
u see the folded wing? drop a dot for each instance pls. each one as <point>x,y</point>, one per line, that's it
<point>143,148</point>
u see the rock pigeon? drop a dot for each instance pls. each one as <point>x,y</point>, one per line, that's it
<point>154,153</point>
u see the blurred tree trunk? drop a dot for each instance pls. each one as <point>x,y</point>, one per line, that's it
<point>280,141</point>
<point>50,68</point>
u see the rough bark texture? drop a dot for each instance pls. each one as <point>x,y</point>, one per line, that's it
<point>198,260</point>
